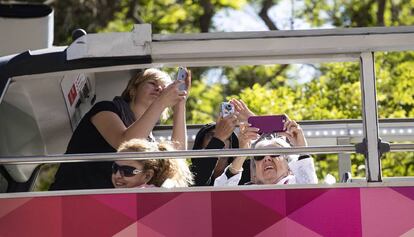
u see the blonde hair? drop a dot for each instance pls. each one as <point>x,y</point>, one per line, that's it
<point>175,170</point>
<point>129,92</point>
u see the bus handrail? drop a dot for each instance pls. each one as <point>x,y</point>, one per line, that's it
<point>94,157</point>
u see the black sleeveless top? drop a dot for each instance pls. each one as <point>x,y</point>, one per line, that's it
<point>87,139</point>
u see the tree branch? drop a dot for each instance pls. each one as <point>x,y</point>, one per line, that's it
<point>380,13</point>
<point>205,19</point>
<point>267,4</point>
<point>282,69</point>
<point>395,12</point>
<point>362,17</point>
<point>133,12</point>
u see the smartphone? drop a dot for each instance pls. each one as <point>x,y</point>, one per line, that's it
<point>268,123</point>
<point>227,109</point>
<point>181,76</point>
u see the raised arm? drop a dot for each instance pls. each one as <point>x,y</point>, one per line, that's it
<point>179,133</point>
<point>246,136</point>
<point>233,173</point>
<point>111,127</point>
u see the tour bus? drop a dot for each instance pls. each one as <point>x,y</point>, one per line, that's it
<point>44,94</point>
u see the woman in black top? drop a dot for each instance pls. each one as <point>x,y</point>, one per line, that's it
<point>219,135</point>
<point>110,123</point>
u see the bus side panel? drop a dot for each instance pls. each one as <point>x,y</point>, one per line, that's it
<point>385,211</point>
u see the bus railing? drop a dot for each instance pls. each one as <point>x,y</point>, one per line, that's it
<point>66,158</point>
<point>95,157</point>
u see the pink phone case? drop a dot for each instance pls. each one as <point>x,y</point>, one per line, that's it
<point>268,123</point>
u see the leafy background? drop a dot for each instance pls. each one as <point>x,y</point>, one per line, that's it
<point>333,92</point>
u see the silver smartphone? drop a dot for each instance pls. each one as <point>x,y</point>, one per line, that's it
<point>181,76</point>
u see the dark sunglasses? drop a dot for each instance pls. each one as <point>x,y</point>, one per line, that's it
<point>125,170</point>
<point>259,158</point>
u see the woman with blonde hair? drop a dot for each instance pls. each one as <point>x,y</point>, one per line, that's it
<point>151,172</point>
<point>110,123</point>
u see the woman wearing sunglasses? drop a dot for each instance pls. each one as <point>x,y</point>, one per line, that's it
<point>272,169</point>
<point>152,172</point>
<point>147,98</point>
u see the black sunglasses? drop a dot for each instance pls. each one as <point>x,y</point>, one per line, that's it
<point>125,170</point>
<point>259,158</point>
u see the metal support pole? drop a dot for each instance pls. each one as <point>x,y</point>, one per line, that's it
<point>344,159</point>
<point>370,118</point>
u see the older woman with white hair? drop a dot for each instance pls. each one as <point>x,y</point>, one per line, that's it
<point>272,169</point>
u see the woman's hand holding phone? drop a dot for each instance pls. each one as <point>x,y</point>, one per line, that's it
<point>188,80</point>
<point>247,135</point>
<point>225,127</point>
<point>171,95</point>
<point>294,133</point>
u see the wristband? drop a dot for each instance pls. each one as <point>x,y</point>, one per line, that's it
<point>234,171</point>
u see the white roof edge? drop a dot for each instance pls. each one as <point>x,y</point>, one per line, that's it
<point>112,44</point>
<point>284,33</point>
<point>304,46</point>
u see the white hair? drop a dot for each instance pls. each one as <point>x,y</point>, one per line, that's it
<point>279,141</point>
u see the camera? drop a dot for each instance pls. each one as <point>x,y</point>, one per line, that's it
<point>227,109</point>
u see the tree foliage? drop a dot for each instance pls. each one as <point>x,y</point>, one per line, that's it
<point>333,93</point>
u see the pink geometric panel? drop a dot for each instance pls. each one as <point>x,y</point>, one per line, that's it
<point>37,217</point>
<point>187,215</point>
<point>9,204</point>
<point>144,230</point>
<point>368,211</point>
<point>334,213</point>
<point>235,214</point>
<point>287,227</point>
<point>148,202</point>
<point>124,203</point>
<point>274,199</point>
<point>406,191</point>
<point>386,212</point>
<point>297,198</point>
<point>86,216</point>
<point>131,230</point>
<point>138,229</point>
<point>409,233</point>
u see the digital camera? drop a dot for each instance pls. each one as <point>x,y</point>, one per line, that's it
<point>227,109</point>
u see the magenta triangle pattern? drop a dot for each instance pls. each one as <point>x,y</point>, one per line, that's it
<point>384,211</point>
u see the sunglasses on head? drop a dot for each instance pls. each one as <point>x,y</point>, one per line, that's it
<point>125,170</point>
<point>259,158</point>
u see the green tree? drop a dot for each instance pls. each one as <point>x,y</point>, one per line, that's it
<point>334,92</point>
<point>166,16</point>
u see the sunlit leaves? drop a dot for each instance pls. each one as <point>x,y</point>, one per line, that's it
<point>230,3</point>
<point>357,13</point>
<point>204,102</point>
<point>334,93</point>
